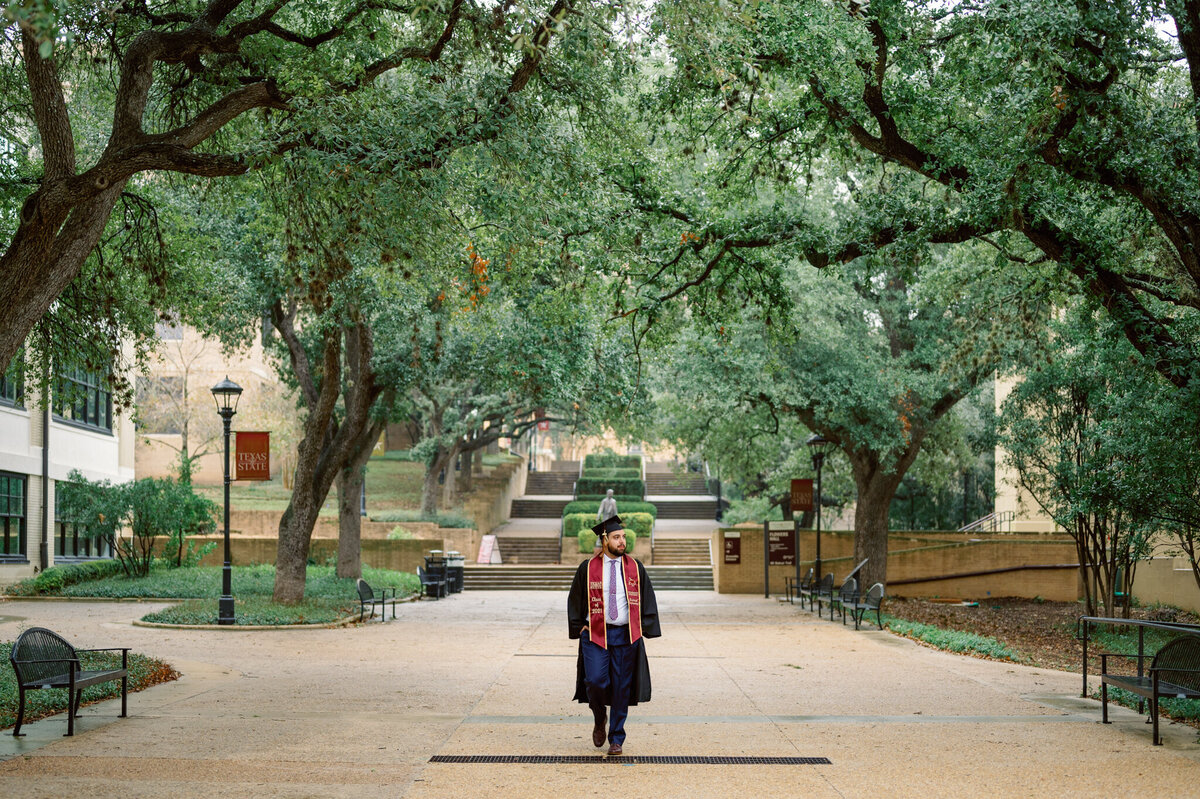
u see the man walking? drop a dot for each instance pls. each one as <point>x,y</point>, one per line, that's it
<point>611,610</point>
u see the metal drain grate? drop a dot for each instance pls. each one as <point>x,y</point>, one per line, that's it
<point>696,760</point>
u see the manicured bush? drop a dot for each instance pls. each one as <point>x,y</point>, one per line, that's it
<point>612,474</point>
<point>578,523</point>
<point>626,485</point>
<point>56,578</point>
<point>624,506</point>
<point>610,460</point>
<point>258,611</point>
<point>587,541</point>
<point>447,518</point>
<point>143,672</point>
<point>597,497</point>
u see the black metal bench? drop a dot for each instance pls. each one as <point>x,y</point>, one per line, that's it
<point>797,590</point>
<point>1174,673</point>
<point>870,601</point>
<point>822,591</point>
<point>44,659</point>
<point>846,595</point>
<point>367,598</point>
<point>432,583</point>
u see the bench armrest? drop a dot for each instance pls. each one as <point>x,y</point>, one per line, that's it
<point>107,649</point>
<point>1174,668</point>
<point>51,660</point>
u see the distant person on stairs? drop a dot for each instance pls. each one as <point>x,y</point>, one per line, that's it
<point>608,507</point>
<point>610,609</point>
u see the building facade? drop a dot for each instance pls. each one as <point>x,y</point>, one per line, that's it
<point>76,428</point>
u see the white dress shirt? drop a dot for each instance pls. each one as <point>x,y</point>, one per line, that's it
<point>622,599</point>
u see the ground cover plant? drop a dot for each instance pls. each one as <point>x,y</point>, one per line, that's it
<point>1041,633</point>
<point>143,672</point>
<point>328,597</point>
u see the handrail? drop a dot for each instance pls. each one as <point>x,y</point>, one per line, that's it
<point>1141,624</point>
<point>992,521</point>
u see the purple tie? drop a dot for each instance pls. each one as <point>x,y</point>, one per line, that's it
<point>612,589</point>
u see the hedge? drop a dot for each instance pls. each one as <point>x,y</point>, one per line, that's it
<point>593,485</point>
<point>610,460</point>
<point>577,523</point>
<point>624,506</point>
<point>587,542</point>
<point>595,498</point>
<point>612,474</point>
<point>56,578</point>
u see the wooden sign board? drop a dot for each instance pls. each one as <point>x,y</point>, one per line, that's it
<point>802,496</point>
<point>781,548</point>
<point>253,456</point>
<point>733,547</point>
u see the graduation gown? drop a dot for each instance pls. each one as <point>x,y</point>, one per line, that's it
<point>577,620</point>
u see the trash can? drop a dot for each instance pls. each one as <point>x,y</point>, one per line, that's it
<point>455,562</point>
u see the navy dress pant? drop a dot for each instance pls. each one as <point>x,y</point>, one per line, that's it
<point>608,675</point>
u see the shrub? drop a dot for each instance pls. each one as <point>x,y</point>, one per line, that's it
<point>577,523</point>
<point>595,498</point>
<point>56,578</point>
<point>624,506</point>
<point>612,474</point>
<point>447,518</point>
<point>587,541</point>
<point>626,485</point>
<point>398,533</point>
<point>610,460</point>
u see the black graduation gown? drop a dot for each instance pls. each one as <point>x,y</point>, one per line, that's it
<point>577,620</point>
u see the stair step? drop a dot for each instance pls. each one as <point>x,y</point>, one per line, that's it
<point>537,508</point>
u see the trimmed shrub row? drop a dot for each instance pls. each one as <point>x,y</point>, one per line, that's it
<point>56,578</point>
<point>610,460</point>
<point>599,485</point>
<point>578,523</point>
<point>613,474</point>
<point>587,542</point>
<point>624,506</point>
<point>442,519</point>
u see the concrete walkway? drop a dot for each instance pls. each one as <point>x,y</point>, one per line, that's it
<point>359,712</point>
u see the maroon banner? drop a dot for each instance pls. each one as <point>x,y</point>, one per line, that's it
<point>802,496</point>
<point>253,456</point>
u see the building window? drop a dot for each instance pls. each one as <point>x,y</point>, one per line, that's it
<point>12,517</point>
<point>71,541</point>
<point>12,383</point>
<point>82,398</point>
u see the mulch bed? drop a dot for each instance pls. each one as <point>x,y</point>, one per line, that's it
<point>1042,633</point>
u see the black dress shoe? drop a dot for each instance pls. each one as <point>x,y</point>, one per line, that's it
<point>614,749</point>
<point>598,734</point>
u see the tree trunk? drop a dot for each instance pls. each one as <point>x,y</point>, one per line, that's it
<point>295,535</point>
<point>349,552</point>
<point>871,528</point>
<point>429,487</point>
<point>351,478</point>
<point>465,482</point>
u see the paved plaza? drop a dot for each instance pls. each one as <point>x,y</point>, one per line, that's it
<point>360,711</point>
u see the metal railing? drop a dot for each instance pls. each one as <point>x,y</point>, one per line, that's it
<point>1085,623</point>
<point>997,522</point>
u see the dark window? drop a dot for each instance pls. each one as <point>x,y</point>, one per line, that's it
<point>12,383</point>
<point>71,541</point>
<point>83,398</point>
<point>12,517</point>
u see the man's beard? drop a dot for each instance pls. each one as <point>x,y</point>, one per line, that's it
<point>613,552</point>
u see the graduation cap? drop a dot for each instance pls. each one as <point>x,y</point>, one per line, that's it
<point>607,526</point>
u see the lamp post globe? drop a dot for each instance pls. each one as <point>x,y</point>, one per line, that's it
<point>226,395</point>
<point>817,445</point>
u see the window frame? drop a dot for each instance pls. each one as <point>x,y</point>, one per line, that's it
<point>13,379</point>
<point>89,398</point>
<point>6,517</point>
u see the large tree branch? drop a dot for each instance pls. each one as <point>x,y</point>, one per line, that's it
<point>49,111</point>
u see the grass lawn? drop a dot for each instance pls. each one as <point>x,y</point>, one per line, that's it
<point>391,484</point>
<point>327,596</point>
<point>143,672</point>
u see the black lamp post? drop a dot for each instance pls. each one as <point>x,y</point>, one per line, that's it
<point>818,444</point>
<point>226,394</point>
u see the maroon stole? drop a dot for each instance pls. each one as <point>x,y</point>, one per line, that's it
<point>633,591</point>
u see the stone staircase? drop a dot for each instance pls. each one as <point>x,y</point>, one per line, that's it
<point>558,578</point>
<point>700,508</point>
<point>682,552</point>
<point>524,508</point>
<point>671,484</point>
<point>516,550</point>
<point>542,483</point>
